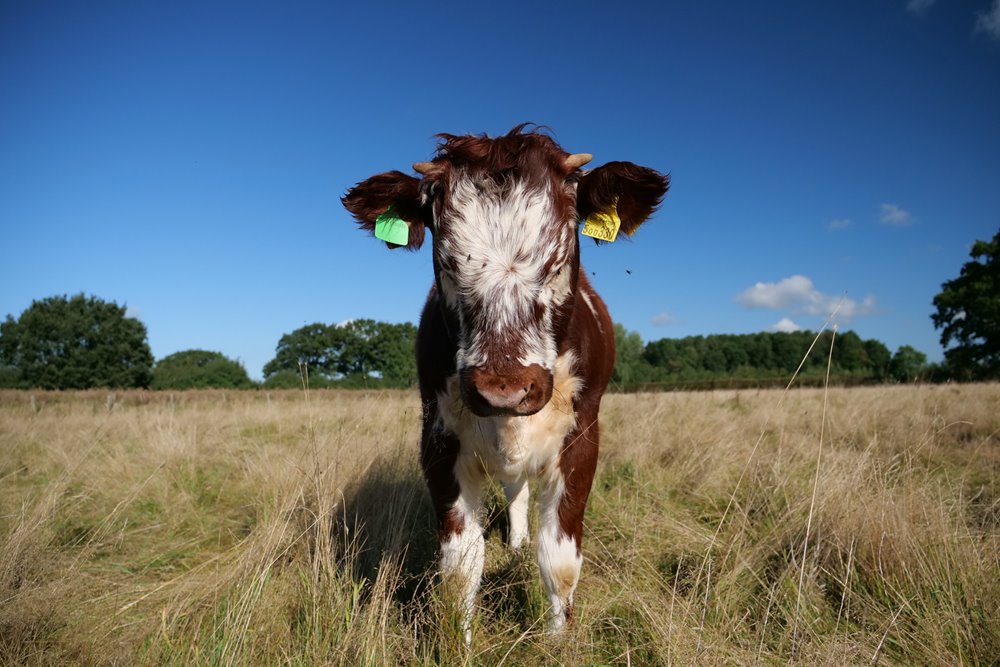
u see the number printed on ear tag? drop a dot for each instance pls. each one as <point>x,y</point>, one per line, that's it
<point>603,225</point>
<point>391,228</point>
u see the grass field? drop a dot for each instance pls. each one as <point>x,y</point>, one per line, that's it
<point>284,528</point>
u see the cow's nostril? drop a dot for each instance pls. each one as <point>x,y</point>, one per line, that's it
<point>503,386</point>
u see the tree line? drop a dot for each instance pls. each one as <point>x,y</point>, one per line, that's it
<point>761,359</point>
<point>82,342</point>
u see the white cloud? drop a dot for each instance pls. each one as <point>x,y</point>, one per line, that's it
<point>838,224</point>
<point>799,295</point>
<point>989,21</point>
<point>895,216</point>
<point>785,294</point>
<point>918,7</point>
<point>663,319</point>
<point>785,325</point>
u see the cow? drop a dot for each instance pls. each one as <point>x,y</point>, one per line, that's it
<point>515,348</point>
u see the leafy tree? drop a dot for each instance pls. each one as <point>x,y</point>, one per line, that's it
<point>662,354</point>
<point>713,358</point>
<point>760,351</point>
<point>9,377</point>
<point>735,352</point>
<point>628,357</point>
<point>295,380</point>
<point>879,357</point>
<point>379,349</point>
<point>358,356</point>
<point>788,350</point>
<point>199,369</point>
<point>907,364</point>
<point>283,379</point>
<point>358,353</point>
<point>75,342</point>
<point>937,372</point>
<point>968,314</point>
<point>394,353</point>
<point>850,353</point>
<point>316,346</point>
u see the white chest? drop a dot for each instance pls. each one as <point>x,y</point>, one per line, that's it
<point>513,447</point>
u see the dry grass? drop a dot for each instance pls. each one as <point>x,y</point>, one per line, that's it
<point>273,528</point>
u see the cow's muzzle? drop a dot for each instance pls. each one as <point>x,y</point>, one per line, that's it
<point>517,391</point>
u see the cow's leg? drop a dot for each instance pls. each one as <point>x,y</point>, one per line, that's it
<point>563,498</point>
<point>456,486</point>
<point>517,508</point>
<point>463,550</point>
<point>559,558</point>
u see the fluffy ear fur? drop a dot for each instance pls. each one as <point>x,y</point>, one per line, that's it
<point>638,191</point>
<point>371,198</point>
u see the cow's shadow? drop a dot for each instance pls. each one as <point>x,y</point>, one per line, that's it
<point>388,521</point>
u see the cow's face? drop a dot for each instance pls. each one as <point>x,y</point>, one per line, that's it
<point>506,256</point>
<point>503,214</point>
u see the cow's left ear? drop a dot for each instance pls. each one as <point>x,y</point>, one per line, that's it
<point>633,190</point>
<point>391,196</point>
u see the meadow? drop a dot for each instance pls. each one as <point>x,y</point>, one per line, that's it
<point>849,526</point>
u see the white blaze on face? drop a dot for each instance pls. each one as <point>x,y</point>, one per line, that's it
<point>508,256</point>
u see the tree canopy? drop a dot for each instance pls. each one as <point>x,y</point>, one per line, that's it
<point>315,346</point>
<point>75,342</point>
<point>356,353</point>
<point>199,369</point>
<point>968,314</point>
<point>908,364</point>
<point>629,369</point>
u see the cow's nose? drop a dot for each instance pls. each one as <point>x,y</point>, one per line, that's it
<point>503,392</point>
<point>516,391</point>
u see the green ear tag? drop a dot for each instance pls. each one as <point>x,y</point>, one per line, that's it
<point>391,228</point>
<point>603,225</point>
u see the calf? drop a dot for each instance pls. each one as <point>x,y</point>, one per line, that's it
<point>515,348</point>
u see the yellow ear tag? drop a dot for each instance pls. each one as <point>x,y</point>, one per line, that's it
<point>603,225</point>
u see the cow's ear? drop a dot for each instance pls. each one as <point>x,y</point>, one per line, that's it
<point>391,196</point>
<point>633,190</point>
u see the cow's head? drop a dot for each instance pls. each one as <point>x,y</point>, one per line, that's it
<point>503,213</point>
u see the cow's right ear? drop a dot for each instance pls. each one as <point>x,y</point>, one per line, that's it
<point>374,197</point>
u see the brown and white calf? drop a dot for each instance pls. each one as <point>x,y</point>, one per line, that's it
<point>515,348</point>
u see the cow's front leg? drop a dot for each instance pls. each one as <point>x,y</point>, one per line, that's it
<point>563,499</point>
<point>463,550</point>
<point>517,509</point>
<point>455,485</point>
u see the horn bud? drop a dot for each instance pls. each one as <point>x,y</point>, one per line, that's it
<point>577,160</point>
<point>423,167</point>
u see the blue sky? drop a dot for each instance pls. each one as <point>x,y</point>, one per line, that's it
<point>187,159</point>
